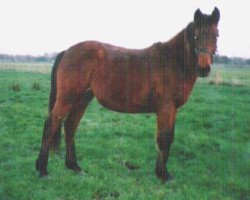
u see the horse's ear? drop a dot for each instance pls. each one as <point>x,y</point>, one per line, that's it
<point>197,16</point>
<point>216,15</point>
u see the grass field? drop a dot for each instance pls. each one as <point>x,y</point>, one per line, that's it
<point>210,157</point>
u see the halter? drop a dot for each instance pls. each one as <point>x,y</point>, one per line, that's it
<point>205,51</point>
<point>202,50</point>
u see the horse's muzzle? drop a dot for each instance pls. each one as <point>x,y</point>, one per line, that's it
<point>203,71</point>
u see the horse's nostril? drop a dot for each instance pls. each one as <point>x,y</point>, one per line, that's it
<point>207,69</point>
<point>203,71</point>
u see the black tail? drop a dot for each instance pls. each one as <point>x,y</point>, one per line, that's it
<point>52,99</point>
<point>55,143</point>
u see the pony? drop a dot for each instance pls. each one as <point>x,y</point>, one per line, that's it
<point>157,79</point>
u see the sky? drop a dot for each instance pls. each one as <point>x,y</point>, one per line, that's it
<point>36,27</point>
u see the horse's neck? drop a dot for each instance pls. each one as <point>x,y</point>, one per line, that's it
<point>179,51</point>
<point>178,56</point>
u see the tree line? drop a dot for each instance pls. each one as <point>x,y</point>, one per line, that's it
<point>237,61</point>
<point>218,59</point>
<point>28,58</point>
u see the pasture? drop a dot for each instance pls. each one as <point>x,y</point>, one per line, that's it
<point>209,158</point>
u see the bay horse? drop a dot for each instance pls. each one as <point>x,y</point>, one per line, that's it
<point>157,79</point>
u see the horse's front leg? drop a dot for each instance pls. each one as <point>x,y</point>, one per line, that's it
<point>165,136</point>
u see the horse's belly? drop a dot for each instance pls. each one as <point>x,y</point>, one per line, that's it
<point>123,88</point>
<point>127,100</point>
<point>126,107</point>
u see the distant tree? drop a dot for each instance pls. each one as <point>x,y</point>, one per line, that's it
<point>28,58</point>
<point>248,61</point>
<point>237,61</point>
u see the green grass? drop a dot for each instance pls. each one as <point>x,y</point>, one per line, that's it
<point>38,67</point>
<point>209,157</point>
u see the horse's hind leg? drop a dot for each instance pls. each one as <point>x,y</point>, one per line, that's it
<point>56,140</point>
<point>70,126</point>
<point>51,125</point>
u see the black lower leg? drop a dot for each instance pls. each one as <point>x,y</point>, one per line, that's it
<point>42,160</point>
<point>70,160</point>
<point>164,141</point>
<point>160,167</point>
<point>51,125</point>
<point>70,128</point>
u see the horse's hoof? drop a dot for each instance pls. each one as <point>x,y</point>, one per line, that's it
<point>79,172</point>
<point>43,174</point>
<point>163,175</point>
<point>75,168</point>
<point>41,169</point>
<point>45,177</point>
<point>169,177</point>
<point>166,178</point>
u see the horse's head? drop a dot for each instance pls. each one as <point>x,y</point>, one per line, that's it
<point>205,33</point>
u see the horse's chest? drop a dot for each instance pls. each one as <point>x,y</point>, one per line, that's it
<point>182,93</point>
